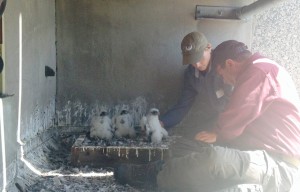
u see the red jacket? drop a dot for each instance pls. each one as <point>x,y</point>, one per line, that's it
<point>263,111</point>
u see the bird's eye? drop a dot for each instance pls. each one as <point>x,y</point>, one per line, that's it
<point>124,112</point>
<point>103,113</point>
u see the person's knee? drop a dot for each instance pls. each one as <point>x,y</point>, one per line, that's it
<point>221,166</point>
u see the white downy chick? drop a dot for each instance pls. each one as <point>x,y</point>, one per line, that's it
<point>145,129</point>
<point>123,123</point>
<point>155,129</point>
<point>101,126</point>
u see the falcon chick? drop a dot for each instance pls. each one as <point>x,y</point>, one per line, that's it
<point>101,126</point>
<point>123,124</point>
<point>151,125</point>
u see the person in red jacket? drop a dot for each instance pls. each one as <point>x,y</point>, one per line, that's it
<point>256,139</point>
<point>263,112</point>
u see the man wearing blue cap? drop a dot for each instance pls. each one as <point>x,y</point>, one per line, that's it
<point>200,81</point>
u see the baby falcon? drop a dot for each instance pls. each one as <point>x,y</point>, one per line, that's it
<point>101,126</point>
<point>151,125</point>
<point>123,123</point>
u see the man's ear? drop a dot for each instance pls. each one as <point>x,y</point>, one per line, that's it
<point>209,45</point>
<point>229,63</point>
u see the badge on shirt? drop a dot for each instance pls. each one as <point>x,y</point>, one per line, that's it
<point>220,93</point>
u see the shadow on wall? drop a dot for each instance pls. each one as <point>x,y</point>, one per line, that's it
<point>2,8</point>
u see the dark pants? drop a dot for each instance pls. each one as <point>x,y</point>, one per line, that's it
<point>201,167</point>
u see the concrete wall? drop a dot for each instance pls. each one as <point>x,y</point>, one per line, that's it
<point>276,35</point>
<point>29,45</point>
<point>113,51</point>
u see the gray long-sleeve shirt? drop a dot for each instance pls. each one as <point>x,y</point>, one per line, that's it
<point>196,82</point>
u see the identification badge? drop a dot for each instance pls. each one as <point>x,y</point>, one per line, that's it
<point>220,93</point>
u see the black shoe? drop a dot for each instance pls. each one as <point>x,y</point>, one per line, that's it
<point>138,175</point>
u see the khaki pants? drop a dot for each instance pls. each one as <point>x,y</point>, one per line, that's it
<point>200,167</point>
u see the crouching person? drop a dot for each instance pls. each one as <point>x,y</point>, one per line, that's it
<point>256,139</point>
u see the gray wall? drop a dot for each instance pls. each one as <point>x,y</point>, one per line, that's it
<point>27,73</point>
<point>113,51</point>
<point>276,34</point>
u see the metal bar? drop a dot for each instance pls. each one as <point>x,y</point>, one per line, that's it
<point>234,13</point>
<point>215,12</point>
<point>247,11</point>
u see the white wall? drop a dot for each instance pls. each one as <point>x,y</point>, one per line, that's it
<point>29,45</point>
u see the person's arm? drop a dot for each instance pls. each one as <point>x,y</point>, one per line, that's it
<point>178,112</point>
<point>245,105</point>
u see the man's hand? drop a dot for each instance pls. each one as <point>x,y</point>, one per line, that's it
<point>207,137</point>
